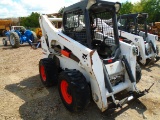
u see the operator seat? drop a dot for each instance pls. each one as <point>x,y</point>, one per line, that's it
<point>22,30</point>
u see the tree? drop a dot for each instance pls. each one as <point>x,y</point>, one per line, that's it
<point>126,8</point>
<point>138,6</point>
<point>30,21</point>
<point>152,7</point>
<point>61,10</point>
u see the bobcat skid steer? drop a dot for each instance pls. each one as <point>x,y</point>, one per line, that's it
<point>83,65</point>
<point>134,30</point>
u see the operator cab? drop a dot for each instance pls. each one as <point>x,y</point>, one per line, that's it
<point>133,23</point>
<point>85,23</point>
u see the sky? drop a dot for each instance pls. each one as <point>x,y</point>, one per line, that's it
<point>22,8</point>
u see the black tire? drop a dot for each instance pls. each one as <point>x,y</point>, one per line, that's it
<point>48,72</point>
<point>56,61</point>
<point>157,49</point>
<point>3,32</point>
<point>34,39</point>
<point>77,90</point>
<point>14,40</point>
<point>138,73</point>
<point>4,41</point>
<point>157,58</point>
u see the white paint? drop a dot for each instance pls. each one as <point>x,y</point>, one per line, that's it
<point>91,67</point>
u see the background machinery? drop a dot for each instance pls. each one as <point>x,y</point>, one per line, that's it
<point>155,29</point>
<point>4,26</point>
<point>133,29</point>
<point>56,21</point>
<point>86,62</point>
<point>19,35</point>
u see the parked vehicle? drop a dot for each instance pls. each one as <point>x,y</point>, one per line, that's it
<point>4,26</point>
<point>155,29</point>
<point>134,30</point>
<point>84,61</point>
<point>19,35</point>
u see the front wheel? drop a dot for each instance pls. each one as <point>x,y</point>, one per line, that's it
<point>4,42</point>
<point>74,90</point>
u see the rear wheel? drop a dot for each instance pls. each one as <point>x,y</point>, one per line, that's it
<point>48,72</point>
<point>14,40</point>
<point>34,37</point>
<point>56,61</point>
<point>138,73</point>
<point>74,90</point>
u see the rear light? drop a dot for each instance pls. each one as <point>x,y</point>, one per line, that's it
<point>109,61</point>
<point>65,53</point>
<point>120,39</point>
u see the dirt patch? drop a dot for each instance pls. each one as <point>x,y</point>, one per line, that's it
<point>24,97</point>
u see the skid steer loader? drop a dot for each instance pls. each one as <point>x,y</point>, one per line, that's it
<point>134,30</point>
<point>83,65</point>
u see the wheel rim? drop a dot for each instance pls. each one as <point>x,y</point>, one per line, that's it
<point>43,74</point>
<point>64,90</point>
<point>12,40</point>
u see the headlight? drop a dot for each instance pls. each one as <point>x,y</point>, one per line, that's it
<point>90,3</point>
<point>117,6</point>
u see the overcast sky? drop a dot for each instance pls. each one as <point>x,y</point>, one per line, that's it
<point>17,8</point>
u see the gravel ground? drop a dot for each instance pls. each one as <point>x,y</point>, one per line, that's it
<point>22,95</point>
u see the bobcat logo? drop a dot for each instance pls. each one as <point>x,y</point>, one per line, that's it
<point>84,56</point>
